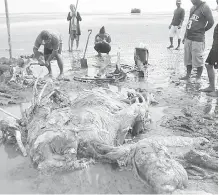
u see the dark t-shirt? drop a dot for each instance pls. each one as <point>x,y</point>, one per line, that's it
<point>197,22</point>
<point>178,16</point>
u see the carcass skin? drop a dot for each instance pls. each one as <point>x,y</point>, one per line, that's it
<point>61,132</point>
<point>150,159</point>
<point>55,130</point>
<point>94,125</point>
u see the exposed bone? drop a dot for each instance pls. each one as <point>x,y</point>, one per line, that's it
<point>41,93</point>
<point>19,142</point>
<point>35,91</point>
<point>9,114</point>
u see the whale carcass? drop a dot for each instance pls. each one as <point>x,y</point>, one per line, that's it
<point>64,133</point>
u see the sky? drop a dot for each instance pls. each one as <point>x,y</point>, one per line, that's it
<point>95,6</point>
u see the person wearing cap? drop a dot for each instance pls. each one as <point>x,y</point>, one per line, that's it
<point>211,63</point>
<point>74,19</point>
<point>176,24</point>
<point>52,48</point>
<point>102,42</point>
<point>200,21</point>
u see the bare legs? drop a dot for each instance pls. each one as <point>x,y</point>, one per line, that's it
<point>179,41</point>
<point>199,72</point>
<point>211,77</point>
<point>171,43</point>
<point>77,41</point>
<point>188,73</point>
<point>71,42</point>
<point>49,66</point>
<point>59,62</point>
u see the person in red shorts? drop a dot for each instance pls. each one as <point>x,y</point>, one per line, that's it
<point>211,64</point>
<point>52,48</point>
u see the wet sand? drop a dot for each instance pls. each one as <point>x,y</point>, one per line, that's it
<point>127,31</point>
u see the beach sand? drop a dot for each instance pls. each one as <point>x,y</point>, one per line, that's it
<point>127,32</point>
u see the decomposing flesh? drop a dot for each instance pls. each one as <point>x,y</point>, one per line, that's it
<point>63,132</point>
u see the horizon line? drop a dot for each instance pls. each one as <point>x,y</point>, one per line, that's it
<point>121,12</point>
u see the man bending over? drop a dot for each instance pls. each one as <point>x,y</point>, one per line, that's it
<point>52,48</point>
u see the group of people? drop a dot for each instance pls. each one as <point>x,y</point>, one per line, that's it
<point>102,39</point>
<point>53,42</point>
<point>200,21</point>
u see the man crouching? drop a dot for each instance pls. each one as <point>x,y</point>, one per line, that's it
<point>52,48</point>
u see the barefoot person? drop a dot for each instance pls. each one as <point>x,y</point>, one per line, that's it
<point>176,24</point>
<point>211,64</point>
<point>102,42</point>
<point>74,19</point>
<point>52,48</point>
<point>200,21</point>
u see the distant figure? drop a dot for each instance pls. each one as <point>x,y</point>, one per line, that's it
<point>52,48</point>
<point>74,19</point>
<point>212,63</point>
<point>200,21</point>
<point>102,42</point>
<point>176,24</point>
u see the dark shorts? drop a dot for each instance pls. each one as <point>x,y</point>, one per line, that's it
<point>102,47</point>
<point>212,58</point>
<point>47,51</point>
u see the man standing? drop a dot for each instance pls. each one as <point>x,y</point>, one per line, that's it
<point>200,21</point>
<point>212,63</point>
<point>176,24</point>
<point>74,19</point>
<point>52,48</point>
